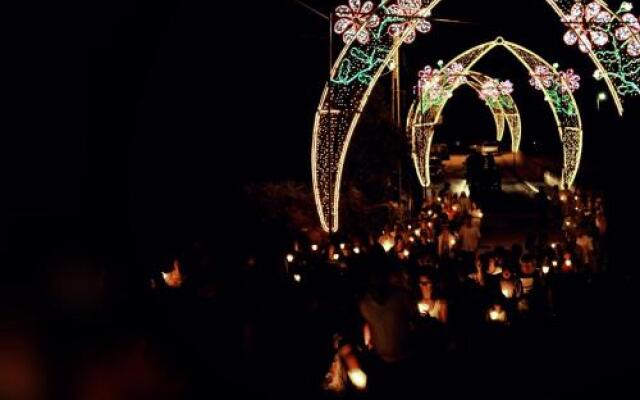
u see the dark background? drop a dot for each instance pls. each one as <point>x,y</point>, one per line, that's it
<point>133,125</point>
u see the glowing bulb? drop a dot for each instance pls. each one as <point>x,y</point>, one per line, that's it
<point>409,227</point>
<point>336,256</point>
<point>554,263</point>
<point>452,242</point>
<point>290,257</point>
<point>430,224</point>
<point>556,65</point>
<point>406,253</point>
<point>439,199</point>
<point>602,96</point>
<point>563,197</point>
<point>356,250</point>
<point>342,246</point>
<point>545,269</point>
<point>554,245</point>
<point>412,239</point>
<point>297,278</point>
<point>430,212</point>
<point>417,232</point>
<point>314,247</point>
<point>626,6</point>
<point>358,378</point>
<point>568,263</point>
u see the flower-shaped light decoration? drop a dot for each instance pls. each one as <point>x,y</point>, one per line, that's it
<point>408,11</point>
<point>455,74</point>
<point>569,81</point>
<point>587,26</point>
<point>629,31</point>
<point>492,89</point>
<point>430,83</point>
<point>355,21</point>
<point>541,78</point>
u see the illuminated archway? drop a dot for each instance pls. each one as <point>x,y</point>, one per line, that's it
<point>374,34</point>
<point>423,121</point>
<point>556,86</point>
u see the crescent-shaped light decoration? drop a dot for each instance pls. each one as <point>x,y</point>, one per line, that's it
<point>611,39</point>
<point>372,36</point>
<point>421,126</point>
<point>557,86</point>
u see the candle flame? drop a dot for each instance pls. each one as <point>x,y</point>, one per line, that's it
<point>173,278</point>
<point>358,378</point>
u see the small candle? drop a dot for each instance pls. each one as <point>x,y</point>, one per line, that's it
<point>452,242</point>
<point>314,247</point>
<point>356,250</point>
<point>409,227</point>
<point>297,278</point>
<point>417,232</point>
<point>545,269</point>
<point>554,245</point>
<point>554,263</point>
<point>290,257</point>
<point>423,308</point>
<point>430,212</point>
<point>336,256</point>
<point>342,246</point>
<point>406,253</point>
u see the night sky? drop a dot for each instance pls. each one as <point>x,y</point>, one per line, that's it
<point>132,117</point>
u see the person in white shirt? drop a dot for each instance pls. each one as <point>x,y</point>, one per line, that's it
<point>470,236</point>
<point>446,242</point>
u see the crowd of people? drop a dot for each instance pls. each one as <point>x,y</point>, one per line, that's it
<point>425,287</point>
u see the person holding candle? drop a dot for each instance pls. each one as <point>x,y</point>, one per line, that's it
<point>431,305</point>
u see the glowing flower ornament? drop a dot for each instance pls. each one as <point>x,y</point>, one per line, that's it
<point>408,11</point>
<point>356,19</point>
<point>431,86</point>
<point>630,31</point>
<point>569,81</point>
<point>541,78</point>
<point>455,74</point>
<point>492,89</point>
<point>587,26</point>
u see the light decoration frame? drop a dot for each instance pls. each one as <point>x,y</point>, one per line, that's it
<point>354,74</point>
<point>556,86</point>
<point>422,121</point>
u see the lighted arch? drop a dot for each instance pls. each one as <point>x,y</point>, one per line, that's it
<point>421,124</point>
<point>563,105</point>
<point>369,50</point>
